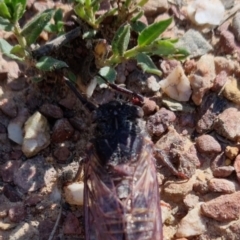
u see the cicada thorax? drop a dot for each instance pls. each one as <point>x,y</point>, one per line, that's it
<point>121,188</point>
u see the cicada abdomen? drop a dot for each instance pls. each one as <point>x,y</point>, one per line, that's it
<point>121,190</point>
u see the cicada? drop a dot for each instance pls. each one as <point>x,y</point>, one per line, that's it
<point>121,193</point>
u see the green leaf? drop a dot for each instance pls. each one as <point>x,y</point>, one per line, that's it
<point>107,72</point>
<point>181,53</point>
<point>88,3</point>
<point>127,3</point>
<point>152,32</point>
<point>80,11</point>
<point>50,28</point>
<point>19,9</point>
<point>147,65</point>
<point>163,48</point>
<point>33,29</point>
<point>121,40</point>
<point>6,48</point>
<point>18,51</point>
<point>49,64</point>
<point>4,12</point>
<point>142,3</point>
<point>166,48</point>
<point>71,76</point>
<point>58,15</point>
<point>95,6</point>
<point>138,26</point>
<point>137,16</point>
<point>5,25</point>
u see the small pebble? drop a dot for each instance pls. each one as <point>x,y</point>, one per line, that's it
<point>207,144</point>
<point>231,152</point>
<point>34,174</point>
<point>194,43</point>
<point>62,154</point>
<point>149,106</point>
<point>17,213</point>
<point>176,191</point>
<point>223,208</point>
<point>62,131</point>
<point>228,124</point>
<point>237,167</point>
<point>71,225</point>
<point>221,185</point>
<point>158,123</point>
<point>193,224</point>
<point>8,107</point>
<point>8,169</point>
<point>51,110</point>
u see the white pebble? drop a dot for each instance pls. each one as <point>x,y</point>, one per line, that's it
<point>206,12</point>
<point>177,85</point>
<point>74,193</point>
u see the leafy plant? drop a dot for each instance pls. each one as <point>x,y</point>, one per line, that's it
<point>11,11</point>
<point>87,9</point>
<point>127,15</point>
<point>148,44</point>
<point>58,25</point>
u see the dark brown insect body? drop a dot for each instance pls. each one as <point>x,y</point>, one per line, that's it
<point>121,188</point>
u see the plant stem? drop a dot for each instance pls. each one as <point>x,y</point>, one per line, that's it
<point>20,38</point>
<point>131,53</point>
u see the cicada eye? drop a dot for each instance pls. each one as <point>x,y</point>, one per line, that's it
<point>94,116</point>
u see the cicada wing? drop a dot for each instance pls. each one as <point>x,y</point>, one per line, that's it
<point>123,203</point>
<point>103,210</point>
<point>146,220</point>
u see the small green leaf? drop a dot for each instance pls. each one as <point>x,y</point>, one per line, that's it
<point>18,51</point>
<point>181,54</point>
<point>147,65</point>
<point>142,3</point>
<point>80,11</point>
<point>121,40</point>
<point>33,29</point>
<point>88,3</point>
<point>49,64</point>
<point>19,9</point>
<point>58,15</point>
<point>127,3</point>
<point>152,32</point>
<point>6,48</point>
<point>95,6</point>
<point>166,48</point>
<point>4,12</point>
<point>107,72</point>
<point>163,48</point>
<point>50,28</point>
<point>137,16</point>
<point>71,76</point>
<point>138,26</point>
<point>5,25</point>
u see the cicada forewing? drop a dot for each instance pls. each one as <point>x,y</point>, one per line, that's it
<point>122,201</point>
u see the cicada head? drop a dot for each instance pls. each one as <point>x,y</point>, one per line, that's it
<point>116,131</point>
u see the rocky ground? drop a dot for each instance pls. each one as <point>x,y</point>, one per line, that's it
<point>192,114</point>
